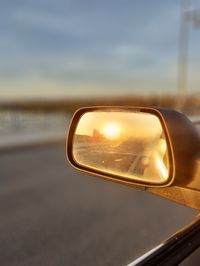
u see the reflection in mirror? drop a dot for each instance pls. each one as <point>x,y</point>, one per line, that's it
<point>131,145</point>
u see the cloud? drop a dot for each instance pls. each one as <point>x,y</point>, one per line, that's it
<point>90,45</point>
<point>49,22</point>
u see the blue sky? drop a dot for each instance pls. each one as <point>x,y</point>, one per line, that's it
<point>91,47</point>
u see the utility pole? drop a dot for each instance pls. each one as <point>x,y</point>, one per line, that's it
<point>188,16</point>
<point>182,79</point>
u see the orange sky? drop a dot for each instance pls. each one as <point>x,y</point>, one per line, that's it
<point>130,123</point>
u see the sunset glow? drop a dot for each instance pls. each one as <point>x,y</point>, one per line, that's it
<point>112,131</point>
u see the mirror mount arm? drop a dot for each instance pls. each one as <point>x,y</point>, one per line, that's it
<point>174,250</point>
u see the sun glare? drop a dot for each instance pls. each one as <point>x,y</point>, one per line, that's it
<point>112,131</point>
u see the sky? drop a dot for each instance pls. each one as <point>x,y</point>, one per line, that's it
<point>127,124</point>
<point>76,48</point>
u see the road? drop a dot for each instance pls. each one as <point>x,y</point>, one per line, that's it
<point>52,215</point>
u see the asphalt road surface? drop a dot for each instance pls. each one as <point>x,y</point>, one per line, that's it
<point>52,215</point>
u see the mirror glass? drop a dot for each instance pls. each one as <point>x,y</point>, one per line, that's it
<point>130,145</point>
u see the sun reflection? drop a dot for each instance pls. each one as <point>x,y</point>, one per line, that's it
<point>112,131</point>
<point>162,152</point>
<point>162,168</point>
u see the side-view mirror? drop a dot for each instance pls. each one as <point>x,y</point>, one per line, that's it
<point>151,148</point>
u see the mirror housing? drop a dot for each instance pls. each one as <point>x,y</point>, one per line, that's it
<point>181,138</point>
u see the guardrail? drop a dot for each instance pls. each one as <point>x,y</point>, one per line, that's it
<point>19,130</point>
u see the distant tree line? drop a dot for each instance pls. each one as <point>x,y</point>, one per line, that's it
<point>191,105</point>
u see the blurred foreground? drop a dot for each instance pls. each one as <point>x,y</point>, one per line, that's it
<point>52,215</point>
